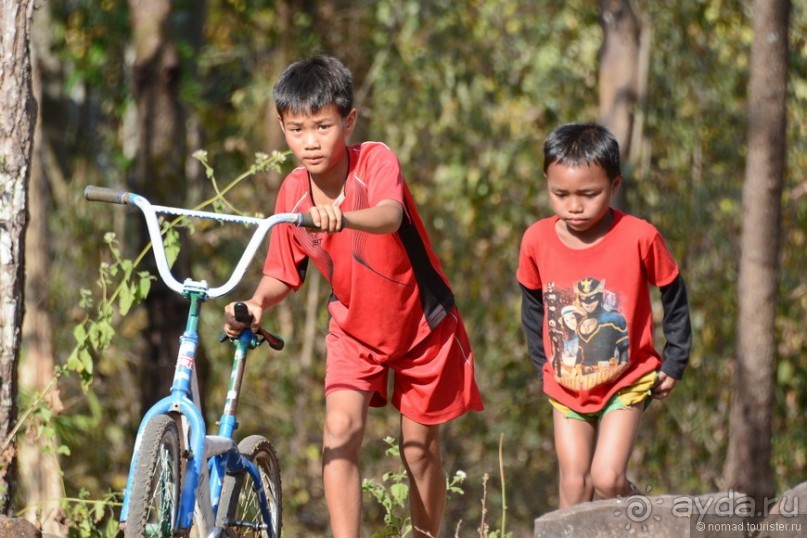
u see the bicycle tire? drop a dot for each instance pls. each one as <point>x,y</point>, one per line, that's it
<point>156,482</point>
<point>239,510</point>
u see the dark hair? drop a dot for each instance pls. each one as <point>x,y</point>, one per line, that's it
<point>310,85</point>
<point>578,144</point>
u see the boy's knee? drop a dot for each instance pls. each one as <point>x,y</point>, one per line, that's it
<point>608,482</point>
<point>417,456</point>
<point>341,426</point>
<point>575,481</point>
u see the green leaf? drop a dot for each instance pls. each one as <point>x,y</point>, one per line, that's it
<point>144,284</point>
<point>80,333</point>
<point>98,510</point>
<point>171,241</point>
<point>86,361</point>
<point>86,300</point>
<point>125,300</point>
<point>45,413</point>
<point>399,493</point>
<point>101,333</point>
<point>127,266</point>
<point>73,363</point>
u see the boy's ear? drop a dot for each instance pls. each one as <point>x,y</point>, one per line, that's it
<point>616,183</point>
<point>350,121</point>
<point>280,121</point>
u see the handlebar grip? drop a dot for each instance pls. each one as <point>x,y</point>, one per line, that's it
<point>242,313</point>
<point>104,194</point>
<point>305,221</point>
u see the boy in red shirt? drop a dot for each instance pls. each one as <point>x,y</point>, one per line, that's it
<point>392,308</point>
<point>585,275</point>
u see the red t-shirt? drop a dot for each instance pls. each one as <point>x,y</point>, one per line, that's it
<point>389,290</point>
<point>598,323</point>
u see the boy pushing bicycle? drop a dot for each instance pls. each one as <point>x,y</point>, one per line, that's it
<point>392,308</point>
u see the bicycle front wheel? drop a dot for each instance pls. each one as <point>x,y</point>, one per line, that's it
<point>156,481</point>
<point>240,510</point>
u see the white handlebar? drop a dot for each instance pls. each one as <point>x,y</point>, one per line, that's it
<point>150,213</point>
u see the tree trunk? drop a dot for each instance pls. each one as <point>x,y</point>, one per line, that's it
<point>159,175</point>
<point>748,465</point>
<point>16,140</point>
<point>619,77</point>
<point>39,469</point>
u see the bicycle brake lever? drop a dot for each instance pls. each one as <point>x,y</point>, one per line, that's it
<point>275,342</point>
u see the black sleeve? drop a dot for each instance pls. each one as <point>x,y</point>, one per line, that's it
<point>532,320</point>
<point>677,329</point>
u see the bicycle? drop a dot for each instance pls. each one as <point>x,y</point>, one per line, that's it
<point>227,489</point>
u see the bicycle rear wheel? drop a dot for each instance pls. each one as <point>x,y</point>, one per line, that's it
<point>240,510</point>
<point>156,481</point>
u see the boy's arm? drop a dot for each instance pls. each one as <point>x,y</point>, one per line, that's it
<point>270,291</point>
<point>532,320</point>
<point>676,327</point>
<point>384,218</point>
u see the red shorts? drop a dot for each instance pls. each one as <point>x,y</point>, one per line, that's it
<point>432,383</point>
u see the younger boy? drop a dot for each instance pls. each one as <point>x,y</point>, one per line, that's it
<point>584,276</point>
<point>391,308</point>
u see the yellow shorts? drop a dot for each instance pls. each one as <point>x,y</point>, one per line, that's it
<point>634,394</point>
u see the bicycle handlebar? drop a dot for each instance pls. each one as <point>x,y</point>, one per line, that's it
<point>103,194</point>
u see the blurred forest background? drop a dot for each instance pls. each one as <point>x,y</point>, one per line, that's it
<point>464,91</point>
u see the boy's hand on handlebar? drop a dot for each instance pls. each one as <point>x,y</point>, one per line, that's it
<point>328,218</point>
<point>233,327</point>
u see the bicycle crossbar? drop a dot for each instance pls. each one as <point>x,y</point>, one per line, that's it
<point>222,217</point>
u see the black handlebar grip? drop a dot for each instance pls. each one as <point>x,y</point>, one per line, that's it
<point>242,313</point>
<point>104,194</point>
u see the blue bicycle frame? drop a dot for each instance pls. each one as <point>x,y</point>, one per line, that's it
<point>220,451</point>
<point>209,457</point>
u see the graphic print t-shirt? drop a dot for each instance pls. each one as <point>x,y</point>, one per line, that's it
<point>389,290</point>
<point>598,326</point>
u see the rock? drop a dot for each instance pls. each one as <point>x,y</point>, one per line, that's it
<point>792,501</point>
<point>788,517</point>
<point>664,516</point>
<point>18,528</point>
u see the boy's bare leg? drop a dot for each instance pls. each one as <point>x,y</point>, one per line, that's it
<point>615,440</point>
<point>345,419</point>
<point>574,444</point>
<point>420,452</point>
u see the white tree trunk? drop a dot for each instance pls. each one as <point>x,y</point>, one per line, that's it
<point>16,139</point>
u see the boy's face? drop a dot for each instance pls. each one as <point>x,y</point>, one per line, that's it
<point>581,197</point>
<point>318,140</point>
